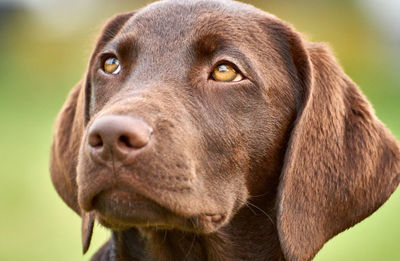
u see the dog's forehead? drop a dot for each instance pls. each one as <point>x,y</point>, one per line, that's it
<point>174,20</point>
<point>181,12</point>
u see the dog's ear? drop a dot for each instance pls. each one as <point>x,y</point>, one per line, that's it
<point>67,135</point>
<point>69,130</point>
<point>341,162</point>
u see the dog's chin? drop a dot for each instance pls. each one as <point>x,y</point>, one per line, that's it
<point>122,210</point>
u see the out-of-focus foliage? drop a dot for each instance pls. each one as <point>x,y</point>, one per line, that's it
<point>39,64</point>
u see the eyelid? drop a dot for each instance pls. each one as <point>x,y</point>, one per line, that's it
<point>227,62</point>
<point>239,65</point>
<point>106,55</point>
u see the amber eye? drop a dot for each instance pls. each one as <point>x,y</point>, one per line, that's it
<point>111,65</point>
<point>226,73</point>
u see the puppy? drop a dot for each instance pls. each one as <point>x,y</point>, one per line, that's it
<point>211,130</point>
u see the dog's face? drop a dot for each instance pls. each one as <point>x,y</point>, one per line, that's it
<point>189,109</point>
<point>210,101</point>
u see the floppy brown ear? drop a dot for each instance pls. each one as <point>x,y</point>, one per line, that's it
<point>341,163</point>
<point>66,141</point>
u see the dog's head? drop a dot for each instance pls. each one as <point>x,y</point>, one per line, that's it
<point>189,109</point>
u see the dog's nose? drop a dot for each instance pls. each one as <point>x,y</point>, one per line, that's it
<point>118,137</point>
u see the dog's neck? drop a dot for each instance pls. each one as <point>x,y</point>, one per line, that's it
<point>251,235</point>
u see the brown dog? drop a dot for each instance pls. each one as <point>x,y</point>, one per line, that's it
<point>210,130</point>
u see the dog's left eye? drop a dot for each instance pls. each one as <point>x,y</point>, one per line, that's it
<point>226,73</point>
<point>112,65</point>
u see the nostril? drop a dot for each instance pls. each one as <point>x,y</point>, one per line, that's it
<point>95,140</point>
<point>126,141</point>
<point>133,140</point>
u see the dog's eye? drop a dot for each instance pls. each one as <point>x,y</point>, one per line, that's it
<point>226,73</point>
<point>111,65</point>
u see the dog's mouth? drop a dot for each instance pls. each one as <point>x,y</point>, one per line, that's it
<point>121,209</point>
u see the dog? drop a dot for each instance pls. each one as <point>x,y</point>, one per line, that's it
<point>211,130</point>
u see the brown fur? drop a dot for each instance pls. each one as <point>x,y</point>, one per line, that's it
<point>289,157</point>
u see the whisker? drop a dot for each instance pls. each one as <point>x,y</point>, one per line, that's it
<point>261,195</point>
<point>190,247</point>
<point>262,211</point>
<point>246,203</point>
<point>165,235</point>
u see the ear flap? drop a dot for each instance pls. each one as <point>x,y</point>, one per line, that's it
<point>67,135</point>
<point>87,230</point>
<point>69,130</point>
<point>341,163</point>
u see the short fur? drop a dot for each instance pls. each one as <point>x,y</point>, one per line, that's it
<point>287,158</point>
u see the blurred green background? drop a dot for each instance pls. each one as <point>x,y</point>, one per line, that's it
<point>44,49</point>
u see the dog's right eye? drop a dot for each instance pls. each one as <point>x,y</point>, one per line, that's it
<point>111,65</point>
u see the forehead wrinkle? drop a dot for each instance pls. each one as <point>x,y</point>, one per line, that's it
<point>223,24</point>
<point>215,31</point>
<point>126,41</point>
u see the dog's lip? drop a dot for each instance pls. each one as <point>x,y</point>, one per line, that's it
<point>122,208</point>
